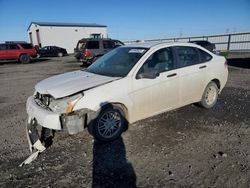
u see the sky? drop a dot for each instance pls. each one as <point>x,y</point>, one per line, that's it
<point>129,19</point>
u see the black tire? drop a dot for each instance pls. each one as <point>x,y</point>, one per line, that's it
<point>109,119</point>
<point>47,136</point>
<point>210,96</point>
<point>25,58</point>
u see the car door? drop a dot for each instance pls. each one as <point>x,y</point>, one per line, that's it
<point>13,51</point>
<point>3,51</point>
<point>192,73</point>
<point>43,51</point>
<point>50,51</point>
<point>151,96</point>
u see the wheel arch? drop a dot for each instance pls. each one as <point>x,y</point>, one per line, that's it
<point>22,54</point>
<point>91,119</point>
<point>217,82</point>
<point>120,106</point>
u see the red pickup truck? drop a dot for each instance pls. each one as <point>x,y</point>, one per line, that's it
<point>19,51</point>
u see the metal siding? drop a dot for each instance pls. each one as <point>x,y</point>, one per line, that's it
<point>237,42</point>
<point>65,37</point>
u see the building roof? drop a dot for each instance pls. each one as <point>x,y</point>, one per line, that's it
<point>57,24</point>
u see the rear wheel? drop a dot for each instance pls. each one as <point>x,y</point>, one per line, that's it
<point>210,96</point>
<point>25,58</point>
<point>109,125</point>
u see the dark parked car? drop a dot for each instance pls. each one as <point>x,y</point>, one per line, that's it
<point>90,49</point>
<point>205,44</point>
<point>21,51</point>
<point>51,51</point>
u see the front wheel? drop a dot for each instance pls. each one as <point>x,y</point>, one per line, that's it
<point>25,58</point>
<point>109,125</point>
<point>210,96</point>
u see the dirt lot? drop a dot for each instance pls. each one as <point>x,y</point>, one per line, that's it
<point>188,147</point>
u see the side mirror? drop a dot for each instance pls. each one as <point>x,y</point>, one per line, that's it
<point>152,74</point>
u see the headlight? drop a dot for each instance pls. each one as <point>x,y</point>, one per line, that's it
<point>72,104</point>
<point>65,105</point>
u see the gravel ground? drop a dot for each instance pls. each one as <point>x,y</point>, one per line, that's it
<point>188,147</point>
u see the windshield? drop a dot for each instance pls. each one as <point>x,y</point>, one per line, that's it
<point>118,62</point>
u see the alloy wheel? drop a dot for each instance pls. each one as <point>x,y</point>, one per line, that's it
<point>109,124</point>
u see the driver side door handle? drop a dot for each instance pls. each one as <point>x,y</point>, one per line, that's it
<point>171,75</point>
<point>202,67</point>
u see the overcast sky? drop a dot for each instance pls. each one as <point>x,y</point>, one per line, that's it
<point>129,19</point>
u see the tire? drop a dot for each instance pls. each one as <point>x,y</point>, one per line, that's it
<point>59,54</point>
<point>38,55</point>
<point>109,124</point>
<point>210,96</point>
<point>47,136</point>
<point>25,58</point>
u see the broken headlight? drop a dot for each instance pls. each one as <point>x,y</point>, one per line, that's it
<point>43,99</point>
<point>64,105</point>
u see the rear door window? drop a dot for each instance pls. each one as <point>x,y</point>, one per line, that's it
<point>93,45</point>
<point>204,56</point>
<point>3,47</point>
<point>13,47</point>
<point>160,61</point>
<point>108,44</point>
<point>187,56</point>
<point>27,46</point>
<point>81,45</point>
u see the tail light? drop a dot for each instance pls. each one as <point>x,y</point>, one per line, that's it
<point>87,54</point>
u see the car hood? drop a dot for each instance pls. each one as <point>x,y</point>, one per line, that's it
<point>72,82</point>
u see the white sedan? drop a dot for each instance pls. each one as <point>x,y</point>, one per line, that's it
<point>128,84</point>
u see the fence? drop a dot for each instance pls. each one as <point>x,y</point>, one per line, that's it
<point>224,42</point>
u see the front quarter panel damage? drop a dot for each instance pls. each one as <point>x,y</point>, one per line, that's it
<point>71,123</point>
<point>76,121</point>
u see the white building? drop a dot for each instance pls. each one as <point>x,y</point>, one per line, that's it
<point>65,35</point>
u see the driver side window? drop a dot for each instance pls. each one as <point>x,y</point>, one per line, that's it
<point>160,61</point>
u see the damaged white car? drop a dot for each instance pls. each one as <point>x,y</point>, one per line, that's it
<point>128,84</point>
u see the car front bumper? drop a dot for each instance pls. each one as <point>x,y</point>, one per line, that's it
<point>44,117</point>
<point>71,123</point>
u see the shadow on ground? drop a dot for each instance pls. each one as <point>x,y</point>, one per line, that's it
<point>5,62</point>
<point>239,62</point>
<point>37,60</point>
<point>110,166</point>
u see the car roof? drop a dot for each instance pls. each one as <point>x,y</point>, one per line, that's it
<point>97,39</point>
<point>155,44</point>
<point>13,43</point>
